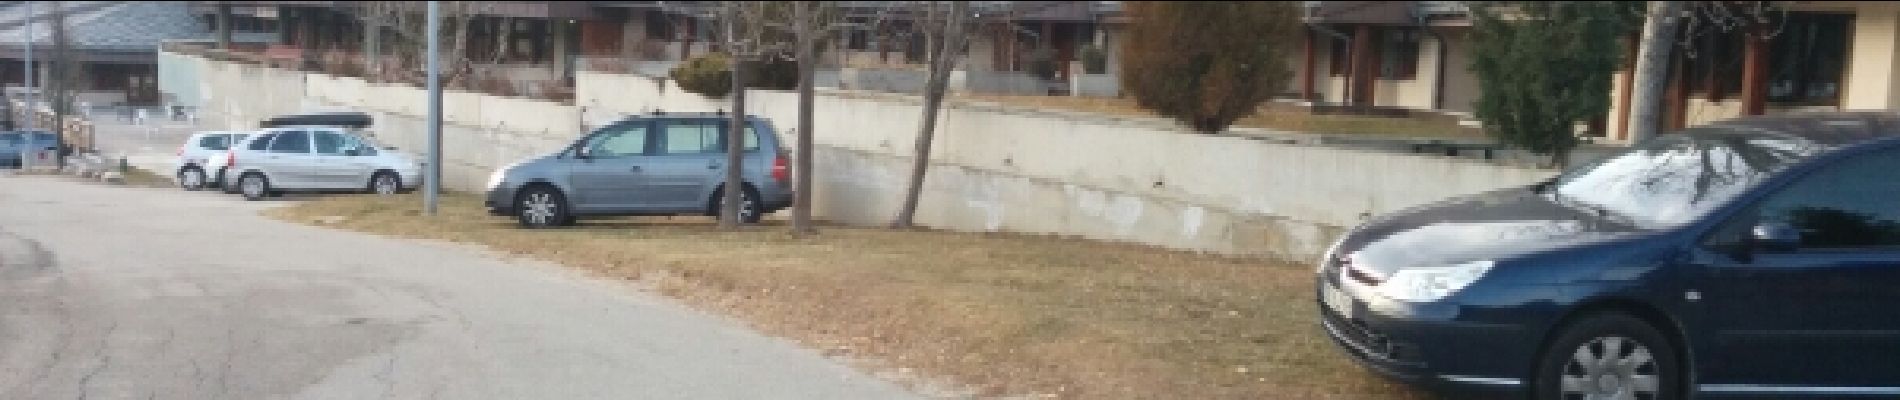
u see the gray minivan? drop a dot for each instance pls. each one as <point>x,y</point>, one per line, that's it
<point>655,164</point>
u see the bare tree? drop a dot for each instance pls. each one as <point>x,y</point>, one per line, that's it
<point>409,26</point>
<point>746,40</point>
<point>1652,68</point>
<point>1675,25</point>
<point>812,24</point>
<point>945,31</point>
<point>65,73</point>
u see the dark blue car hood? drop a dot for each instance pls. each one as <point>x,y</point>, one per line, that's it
<point>1489,226</point>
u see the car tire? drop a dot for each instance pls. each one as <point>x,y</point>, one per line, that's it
<point>750,210</point>
<point>541,207</point>
<point>1609,354</point>
<point>385,183</point>
<point>227,183</point>
<point>191,178</point>
<point>254,186</point>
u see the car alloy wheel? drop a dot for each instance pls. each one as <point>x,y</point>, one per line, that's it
<point>748,207</point>
<point>1611,368</point>
<point>253,187</point>
<point>191,179</point>
<point>540,209</point>
<point>385,184</point>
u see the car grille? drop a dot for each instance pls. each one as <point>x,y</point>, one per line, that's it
<point>1357,334</point>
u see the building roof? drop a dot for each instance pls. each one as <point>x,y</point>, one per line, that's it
<point>101,31</point>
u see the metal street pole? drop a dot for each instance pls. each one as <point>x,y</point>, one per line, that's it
<point>31,112</point>
<point>432,184</point>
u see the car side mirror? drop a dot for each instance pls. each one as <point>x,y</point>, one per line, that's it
<point>1775,237</point>
<point>353,152</point>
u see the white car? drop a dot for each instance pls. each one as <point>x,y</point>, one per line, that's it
<point>317,159</point>
<point>200,157</point>
<point>190,167</point>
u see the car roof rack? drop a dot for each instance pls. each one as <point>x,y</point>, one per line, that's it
<point>338,119</point>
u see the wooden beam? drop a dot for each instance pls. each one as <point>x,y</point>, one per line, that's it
<point>1306,66</point>
<point>1755,71</point>
<point>1677,96</point>
<point>1631,43</point>
<point>1362,74</point>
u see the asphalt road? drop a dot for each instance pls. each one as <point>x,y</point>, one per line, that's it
<point>138,293</point>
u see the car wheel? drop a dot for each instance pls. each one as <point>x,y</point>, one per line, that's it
<point>1609,356</point>
<point>541,207</point>
<point>191,178</point>
<point>750,211</point>
<point>385,183</point>
<point>227,183</point>
<point>254,186</point>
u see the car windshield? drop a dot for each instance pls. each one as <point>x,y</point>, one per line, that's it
<point>1677,178</point>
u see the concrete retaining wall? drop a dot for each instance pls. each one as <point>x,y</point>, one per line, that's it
<point>994,168</point>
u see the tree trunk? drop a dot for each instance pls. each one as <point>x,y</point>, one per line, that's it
<point>944,49</point>
<point>62,88</point>
<point>807,71</point>
<point>735,130</point>
<point>1652,70</point>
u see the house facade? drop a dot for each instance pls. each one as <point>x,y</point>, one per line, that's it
<point>1817,56</point>
<point>1386,57</point>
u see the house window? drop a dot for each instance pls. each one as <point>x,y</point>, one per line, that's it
<point>1715,64</point>
<point>1398,57</point>
<point>1807,59</point>
<point>858,40</point>
<point>1339,62</point>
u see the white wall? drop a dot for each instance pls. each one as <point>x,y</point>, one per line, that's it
<point>994,169</point>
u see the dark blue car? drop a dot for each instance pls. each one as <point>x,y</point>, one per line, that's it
<point>14,146</point>
<point>1754,258</point>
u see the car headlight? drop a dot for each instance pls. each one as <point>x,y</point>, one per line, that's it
<point>494,179</point>
<point>1433,283</point>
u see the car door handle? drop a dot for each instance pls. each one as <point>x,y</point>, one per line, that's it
<point>635,168</point>
<point>712,166</point>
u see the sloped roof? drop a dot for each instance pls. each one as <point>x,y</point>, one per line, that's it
<point>106,26</point>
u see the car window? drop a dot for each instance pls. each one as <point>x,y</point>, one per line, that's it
<point>1677,178</point>
<point>619,140</point>
<point>291,142</point>
<point>1852,204</point>
<point>262,142</point>
<point>702,137</point>
<point>10,139</point>
<point>328,143</point>
<point>214,142</point>
<point>363,148</point>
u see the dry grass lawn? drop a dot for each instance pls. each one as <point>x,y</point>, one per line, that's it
<point>1270,116</point>
<point>1004,315</point>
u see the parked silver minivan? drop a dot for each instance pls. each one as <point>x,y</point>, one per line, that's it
<point>655,164</point>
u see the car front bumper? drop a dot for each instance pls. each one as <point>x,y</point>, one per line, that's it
<point>500,200</point>
<point>1429,345</point>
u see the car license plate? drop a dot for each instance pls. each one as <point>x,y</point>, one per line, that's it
<point>1336,300</point>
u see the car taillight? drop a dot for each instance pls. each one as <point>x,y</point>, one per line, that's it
<point>230,159</point>
<point>181,151</point>
<point>781,170</point>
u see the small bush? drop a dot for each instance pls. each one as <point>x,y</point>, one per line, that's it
<point>710,75</point>
<point>1042,63</point>
<point>1206,63</point>
<point>1094,60</point>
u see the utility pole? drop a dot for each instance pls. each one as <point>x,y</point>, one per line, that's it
<point>432,184</point>
<point>31,112</point>
<point>1652,70</point>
